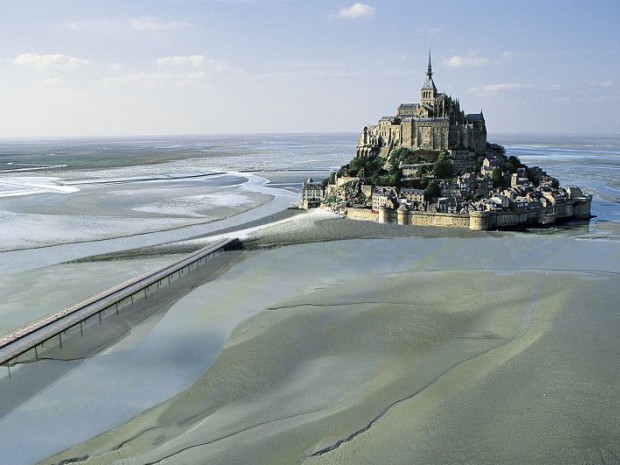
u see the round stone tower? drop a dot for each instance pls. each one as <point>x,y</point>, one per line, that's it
<point>383,214</point>
<point>403,215</point>
<point>479,221</point>
<point>582,208</point>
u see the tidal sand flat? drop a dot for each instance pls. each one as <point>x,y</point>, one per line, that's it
<point>406,345</point>
<point>402,351</point>
<point>124,207</point>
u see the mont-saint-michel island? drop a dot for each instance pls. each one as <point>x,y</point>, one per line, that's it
<point>430,164</point>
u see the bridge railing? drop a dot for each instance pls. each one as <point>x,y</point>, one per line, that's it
<point>32,335</point>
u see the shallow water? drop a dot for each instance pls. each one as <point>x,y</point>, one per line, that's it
<point>30,295</point>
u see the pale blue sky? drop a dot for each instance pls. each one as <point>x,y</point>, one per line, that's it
<point>85,67</point>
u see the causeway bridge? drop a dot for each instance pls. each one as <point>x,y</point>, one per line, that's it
<point>24,343</point>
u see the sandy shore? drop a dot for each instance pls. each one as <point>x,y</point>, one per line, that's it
<point>499,349</point>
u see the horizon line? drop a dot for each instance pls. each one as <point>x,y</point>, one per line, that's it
<point>266,133</point>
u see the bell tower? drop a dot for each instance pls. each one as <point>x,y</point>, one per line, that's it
<point>428,93</point>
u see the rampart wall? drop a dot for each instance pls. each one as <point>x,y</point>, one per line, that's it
<point>364,214</point>
<point>479,221</point>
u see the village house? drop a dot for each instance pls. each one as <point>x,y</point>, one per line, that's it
<point>519,178</point>
<point>449,189</point>
<point>501,201</point>
<point>519,204</point>
<point>489,164</point>
<point>467,184</point>
<point>384,197</point>
<point>448,204</point>
<point>415,170</point>
<point>412,195</point>
<point>484,186</point>
<point>312,194</point>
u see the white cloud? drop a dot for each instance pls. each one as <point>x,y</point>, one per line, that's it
<point>152,24</point>
<point>497,88</point>
<point>195,76</point>
<point>53,82</point>
<point>189,60</point>
<point>218,66</point>
<point>179,70</point>
<point>99,25</point>
<point>148,80</point>
<point>493,89</point>
<point>194,61</point>
<point>50,60</point>
<point>356,11</point>
<point>145,23</point>
<point>473,58</point>
<point>602,84</point>
<point>154,80</point>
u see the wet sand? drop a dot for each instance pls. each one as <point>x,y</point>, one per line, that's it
<point>108,211</point>
<point>496,349</point>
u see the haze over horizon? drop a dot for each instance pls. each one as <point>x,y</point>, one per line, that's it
<point>86,68</point>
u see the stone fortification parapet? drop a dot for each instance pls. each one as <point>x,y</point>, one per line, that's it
<point>479,221</point>
<point>582,207</point>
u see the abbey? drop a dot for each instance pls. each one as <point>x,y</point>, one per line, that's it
<point>435,123</point>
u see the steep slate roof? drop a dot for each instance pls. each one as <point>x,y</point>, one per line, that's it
<point>429,83</point>
<point>474,117</point>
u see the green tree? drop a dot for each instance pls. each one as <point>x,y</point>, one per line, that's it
<point>496,148</point>
<point>442,169</point>
<point>356,165</point>
<point>365,167</point>
<point>513,164</point>
<point>432,191</point>
<point>497,177</point>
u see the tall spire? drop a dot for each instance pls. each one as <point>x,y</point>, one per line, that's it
<point>429,72</point>
<point>429,85</point>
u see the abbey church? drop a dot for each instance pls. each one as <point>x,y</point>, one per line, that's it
<point>435,123</point>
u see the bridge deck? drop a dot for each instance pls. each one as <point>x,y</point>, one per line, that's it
<point>34,334</point>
